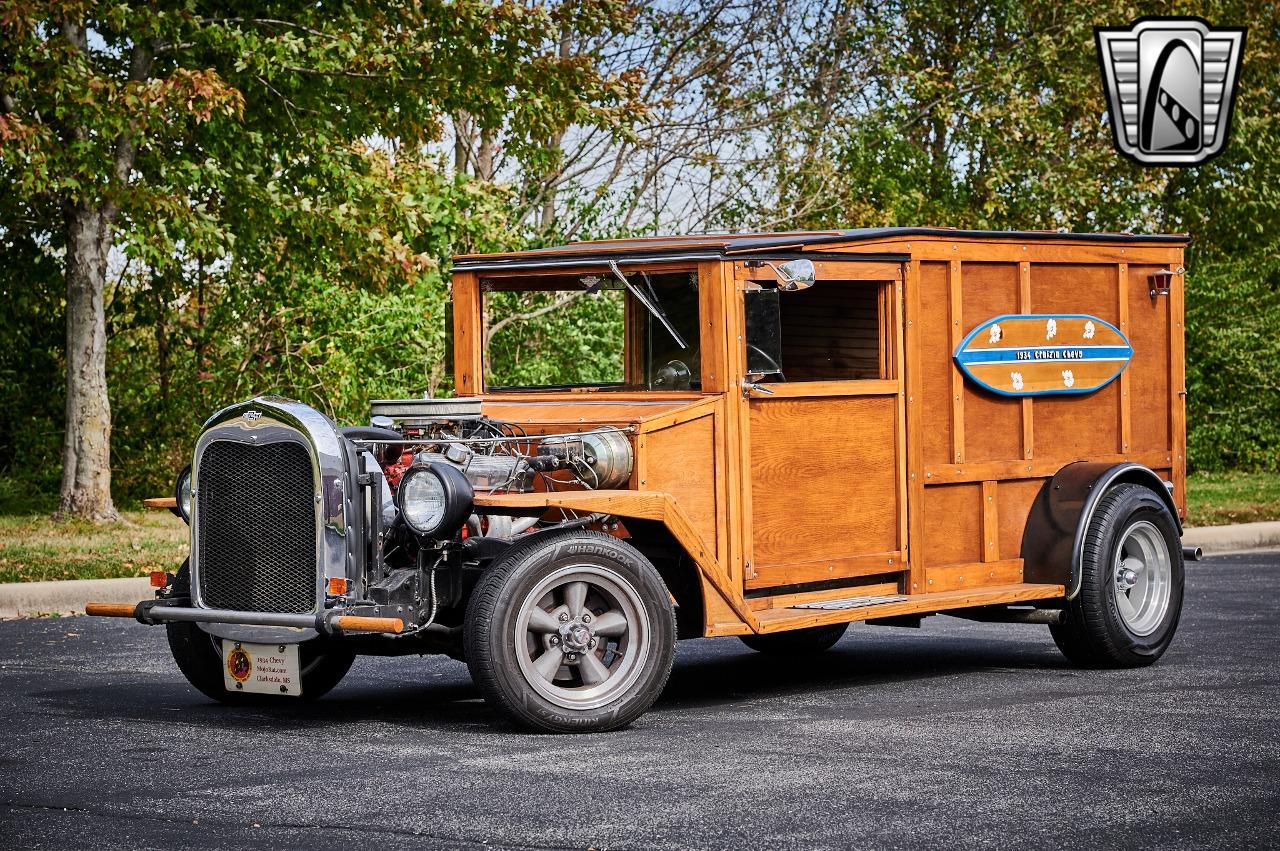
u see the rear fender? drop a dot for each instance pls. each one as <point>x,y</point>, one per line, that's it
<point>1053,541</point>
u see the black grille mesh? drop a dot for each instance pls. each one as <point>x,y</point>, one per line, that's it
<point>255,506</point>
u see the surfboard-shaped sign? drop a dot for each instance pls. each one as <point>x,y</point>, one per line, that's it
<point>1032,354</point>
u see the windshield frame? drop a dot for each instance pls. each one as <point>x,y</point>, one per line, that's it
<point>639,320</point>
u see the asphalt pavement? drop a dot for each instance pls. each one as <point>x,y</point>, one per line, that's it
<point>953,735</point>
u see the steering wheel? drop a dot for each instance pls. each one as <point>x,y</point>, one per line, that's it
<point>676,375</point>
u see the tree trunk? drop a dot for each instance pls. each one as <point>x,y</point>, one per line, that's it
<point>86,447</point>
<point>86,450</point>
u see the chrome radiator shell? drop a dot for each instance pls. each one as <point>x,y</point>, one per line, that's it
<point>246,428</point>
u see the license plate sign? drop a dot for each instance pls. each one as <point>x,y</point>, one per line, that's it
<point>261,668</point>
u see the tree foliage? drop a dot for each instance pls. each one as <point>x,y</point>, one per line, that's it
<point>298,178</point>
<point>282,218</point>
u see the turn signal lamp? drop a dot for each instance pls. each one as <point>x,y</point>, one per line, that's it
<point>159,579</point>
<point>338,586</point>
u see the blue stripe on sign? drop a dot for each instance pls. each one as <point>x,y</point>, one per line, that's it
<point>1046,354</point>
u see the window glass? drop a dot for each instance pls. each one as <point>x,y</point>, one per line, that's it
<point>827,332</point>
<point>565,332</point>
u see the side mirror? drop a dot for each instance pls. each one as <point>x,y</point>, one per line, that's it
<point>796,274</point>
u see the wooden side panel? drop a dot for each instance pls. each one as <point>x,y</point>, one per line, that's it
<point>680,460</point>
<point>1014,499</point>
<point>934,364</point>
<point>1149,369</point>
<point>953,524</point>
<point>823,480</point>
<point>1069,428</point>
<point>1075,288</point>
<point>993,424</point>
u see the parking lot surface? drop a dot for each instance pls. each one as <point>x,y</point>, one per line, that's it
<point>956,734</point>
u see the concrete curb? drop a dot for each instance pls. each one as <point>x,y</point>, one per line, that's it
<point>24,599</point>
<point>1239,538</point>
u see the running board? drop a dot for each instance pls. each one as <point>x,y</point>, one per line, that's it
<point>851,602</point>
<point>822,612</point>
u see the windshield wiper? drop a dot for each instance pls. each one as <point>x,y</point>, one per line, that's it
<point>654,307</point>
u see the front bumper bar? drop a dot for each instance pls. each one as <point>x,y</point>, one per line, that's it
<point>332,622</point>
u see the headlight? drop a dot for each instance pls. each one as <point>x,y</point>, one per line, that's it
<point>434,499</point>
<point>182,494</point>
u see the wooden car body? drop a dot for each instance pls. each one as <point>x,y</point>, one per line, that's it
<point>895,472</point>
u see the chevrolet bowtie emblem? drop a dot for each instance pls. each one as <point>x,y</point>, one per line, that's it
<point>252,415</point>
<point>1170,84</point>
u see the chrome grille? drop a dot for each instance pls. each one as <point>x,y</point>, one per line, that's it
<point>256,516</point>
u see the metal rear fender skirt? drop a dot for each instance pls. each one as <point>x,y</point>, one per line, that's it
<point>1060,516</point>
<point>272,514</point>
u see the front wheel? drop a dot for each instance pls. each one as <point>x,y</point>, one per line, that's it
<point>199,656</point>
<point>571,632</point>
<point>1131,584</point>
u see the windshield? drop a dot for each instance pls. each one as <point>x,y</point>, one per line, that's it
<point>592,332</point>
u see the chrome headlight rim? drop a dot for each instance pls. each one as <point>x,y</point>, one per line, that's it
<point>182,494</point>
<point>458,499</point>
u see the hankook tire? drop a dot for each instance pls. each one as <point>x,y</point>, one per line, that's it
<point>1131,584</point>
<point>571,632</point>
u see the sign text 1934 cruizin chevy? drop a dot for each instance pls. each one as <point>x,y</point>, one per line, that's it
<point>801,430</point>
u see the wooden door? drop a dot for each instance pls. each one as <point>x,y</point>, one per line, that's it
<point>825,442</point>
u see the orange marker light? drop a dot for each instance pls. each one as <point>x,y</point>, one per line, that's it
<point>338,586</point>
<point>159,579</point>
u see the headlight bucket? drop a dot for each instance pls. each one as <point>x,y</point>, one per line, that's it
<point>182,495</point>
<point>434,499</point>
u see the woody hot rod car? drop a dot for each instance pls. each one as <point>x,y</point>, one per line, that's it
<point>801,431</point>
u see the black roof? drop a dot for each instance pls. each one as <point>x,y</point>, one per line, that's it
<point>721,246</point>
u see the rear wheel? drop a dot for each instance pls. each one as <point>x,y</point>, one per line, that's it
<point>571,632</point>
<point>798,642</point>
<point>1131,585</point>
<point>199,657</point>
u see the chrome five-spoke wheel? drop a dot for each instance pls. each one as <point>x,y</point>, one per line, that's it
<point>581,636</point>
<point>571,631</point>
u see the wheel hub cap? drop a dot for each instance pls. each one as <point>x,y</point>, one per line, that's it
<point>575,636</point>
<point>1143,577</point>
<point>581,636</point>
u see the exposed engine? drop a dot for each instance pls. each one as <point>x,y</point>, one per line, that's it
<point>493,455</point>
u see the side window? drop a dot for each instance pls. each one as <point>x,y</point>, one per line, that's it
<point>831,331</point>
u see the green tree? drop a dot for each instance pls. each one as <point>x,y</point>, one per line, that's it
<point>259,147</point>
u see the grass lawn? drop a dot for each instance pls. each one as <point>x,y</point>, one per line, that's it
<point>1217,499</point>
<point>34,547</point>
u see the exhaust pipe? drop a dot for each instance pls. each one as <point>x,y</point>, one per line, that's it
<point>1192,553</point>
